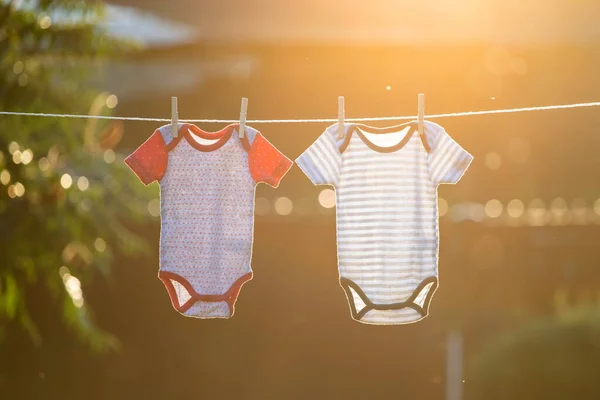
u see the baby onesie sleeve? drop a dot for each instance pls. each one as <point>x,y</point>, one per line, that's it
<point>149,161</point>
<point>267,164</point>
<point>447,160</point>
<point>322,160</point>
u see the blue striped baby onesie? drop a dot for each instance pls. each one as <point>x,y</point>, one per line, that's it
<point>386,182</point>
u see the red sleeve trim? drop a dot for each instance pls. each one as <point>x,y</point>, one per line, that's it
<point>138,169</point>
<point>279,172</point>
<point>266,163</point>
<point>149,161</point>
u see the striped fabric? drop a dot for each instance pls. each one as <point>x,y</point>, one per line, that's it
<point>387,219</point>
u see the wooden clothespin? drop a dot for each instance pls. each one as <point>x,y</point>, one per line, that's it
<point>421,114</point>
<point>174,117</point>
<point>243,111</point>
<point>341,117</point>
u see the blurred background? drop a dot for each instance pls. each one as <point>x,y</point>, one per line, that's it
<point>82,313</point>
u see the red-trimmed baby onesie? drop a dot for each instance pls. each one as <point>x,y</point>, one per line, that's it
<point>207,182</point>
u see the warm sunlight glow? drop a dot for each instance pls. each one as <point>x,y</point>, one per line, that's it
<point>518,150</point>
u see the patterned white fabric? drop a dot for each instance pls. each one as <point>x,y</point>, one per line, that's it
<point>387,217</point>
<point>207,211</point>
<point>207,203</point>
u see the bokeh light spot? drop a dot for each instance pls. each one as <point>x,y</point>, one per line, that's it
<point>19,189</point>
<point>515,208</point>
<point>100,245</point>
<point>12,147</point>
<point>597,206</point>
<point>283,206</point>
<point>559,206</point>
<point>23,79</point>
<point>327,198</point>
<point>580,212</point>
<point>83,183</point>
<point>5,177</point>
<point>66,181</point>
<point>442,207</point>
<point>154,207</point>
<point>109,156</point>
<point>73,287</point>
<point>71,283</point>
<point>493,208</point>
<point>27,156</point>
<point>493,160</point>
<point>17,157</point>
<point>536,212</point>
<point>62,271</point>
<point>45,21</point>
<point>476,212</point>
<point>44,164</point>
<point>559,210</point>
<point>18,67</point>
<point>112,101</point>
<point>459,212</point>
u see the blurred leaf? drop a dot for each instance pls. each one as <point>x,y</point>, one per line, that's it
<point>70,194</point>
<point>10,296</point>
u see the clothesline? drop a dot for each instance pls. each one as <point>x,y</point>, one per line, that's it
<point>310,120</point>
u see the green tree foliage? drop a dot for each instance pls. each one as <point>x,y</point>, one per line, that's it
<point>66,198</point>
<point>550,359</point>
